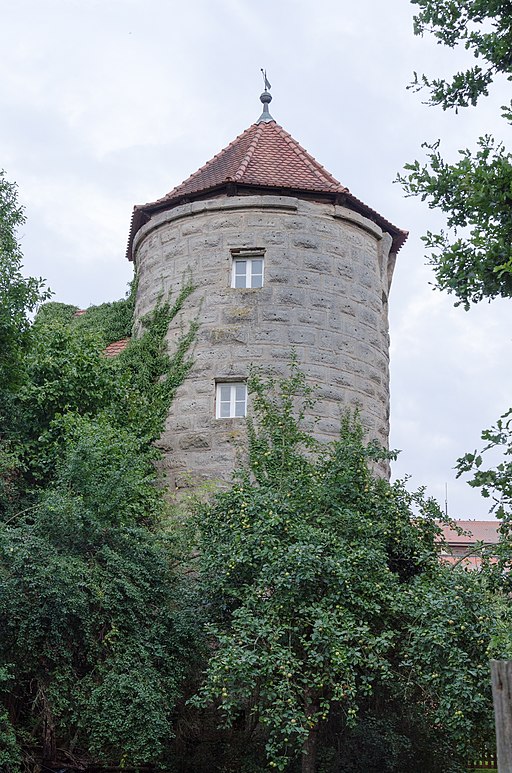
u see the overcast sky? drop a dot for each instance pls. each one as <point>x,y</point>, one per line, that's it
<point>109,103</point>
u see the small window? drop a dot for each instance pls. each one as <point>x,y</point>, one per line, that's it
<point>247,271</point>
<point>231,400</point>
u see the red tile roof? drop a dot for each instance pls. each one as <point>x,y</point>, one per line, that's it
<point>264,157</point>
<point>115,348</point>
<point>479,531</point>
<point>458,548</point>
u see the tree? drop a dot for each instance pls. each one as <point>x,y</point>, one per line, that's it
<point>329,611</point>
<point>96,641</point>
<point>494,482</point>
<point>473,258</point>
<point>18,295</point>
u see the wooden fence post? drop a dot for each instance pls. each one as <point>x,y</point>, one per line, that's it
<point>501,677</point>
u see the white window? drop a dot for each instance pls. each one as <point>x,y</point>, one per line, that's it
<point>231,400</point>
<point>247,271</point>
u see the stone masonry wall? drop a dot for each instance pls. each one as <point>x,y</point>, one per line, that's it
<point>327,277</point>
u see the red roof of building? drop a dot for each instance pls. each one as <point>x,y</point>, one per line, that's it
<point>264,155</point>
<point>266,158</point>
<point>478,531</point>
<point>458,549</point>
<point>115,348</point>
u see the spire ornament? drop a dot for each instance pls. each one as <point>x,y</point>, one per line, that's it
<point>266,99</point>
<point>265,80</point>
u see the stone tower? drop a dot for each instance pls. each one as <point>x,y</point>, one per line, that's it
<point>283,257</point>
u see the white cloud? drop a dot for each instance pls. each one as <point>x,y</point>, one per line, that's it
<point>108,103</point>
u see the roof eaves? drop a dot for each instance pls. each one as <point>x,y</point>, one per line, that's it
<point>142,213</point>
<point>140,216</point>
<point>398,235</point>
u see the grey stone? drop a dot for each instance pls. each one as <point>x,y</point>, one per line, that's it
<point>324,282</point>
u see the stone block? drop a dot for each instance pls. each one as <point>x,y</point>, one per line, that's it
<point>221,222</point>
<point>318,262</point>
<point>323,357</point>
<point>193,441</point>
<point>171,240</point>
<point>240,314</point>
<point>290,297</point>
<point>306,243</point>
<point>275,313</point>
<point>346,271</point>
<point>291,223</point>
<point>312,318</point>
<point>345,379</point>
<point>308,279</point>
<point>225,335</point>
<point>330,428</point>
<point>319,300</point>
<point>300,335</point>
<point>192,227</point>
<point>268,221</point>
<point>203,243</point>
<point>266,333</point>
<point>275,238</point>
<point>275,275</point>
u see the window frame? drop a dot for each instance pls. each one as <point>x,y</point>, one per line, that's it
<point>232,399</point>
<point>249,256</point>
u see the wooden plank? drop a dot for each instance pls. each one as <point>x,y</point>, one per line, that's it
<point>501,678</point>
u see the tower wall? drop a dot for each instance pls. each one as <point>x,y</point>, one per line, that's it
<point>327,277</point>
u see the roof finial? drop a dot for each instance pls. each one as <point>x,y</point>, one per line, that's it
<point>266,98</point>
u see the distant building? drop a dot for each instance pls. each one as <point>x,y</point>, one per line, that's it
<point>283,257</point>
<point>460,548</point>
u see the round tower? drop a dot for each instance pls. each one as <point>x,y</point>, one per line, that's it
<point>283,257</point>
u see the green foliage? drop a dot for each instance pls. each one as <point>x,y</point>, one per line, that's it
<point>151,376</point>
<point>98,454</point>
<point>109,321</point>
<point>62,313</point>
<point>18,295</point>
<point>328,608</point>
<point>87,615</point>
<point>9,750</point>
<point>66,373</point>
<point>475,193</point>
<point>493,482</point>
<point>112,321</point>
<point>473,258</point>
<point>95,641</point>
<point>451,619</point>
<point>483,27</point>
<point>68,377</point>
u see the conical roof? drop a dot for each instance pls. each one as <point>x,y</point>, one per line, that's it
<point>264,155</point>
<point>263,159</point>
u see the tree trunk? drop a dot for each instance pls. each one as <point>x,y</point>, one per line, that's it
<point>49,743</point>
<point>501,677</point>
<point>309,752</point>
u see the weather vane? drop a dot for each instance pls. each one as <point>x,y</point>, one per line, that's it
<point>265,99</point>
